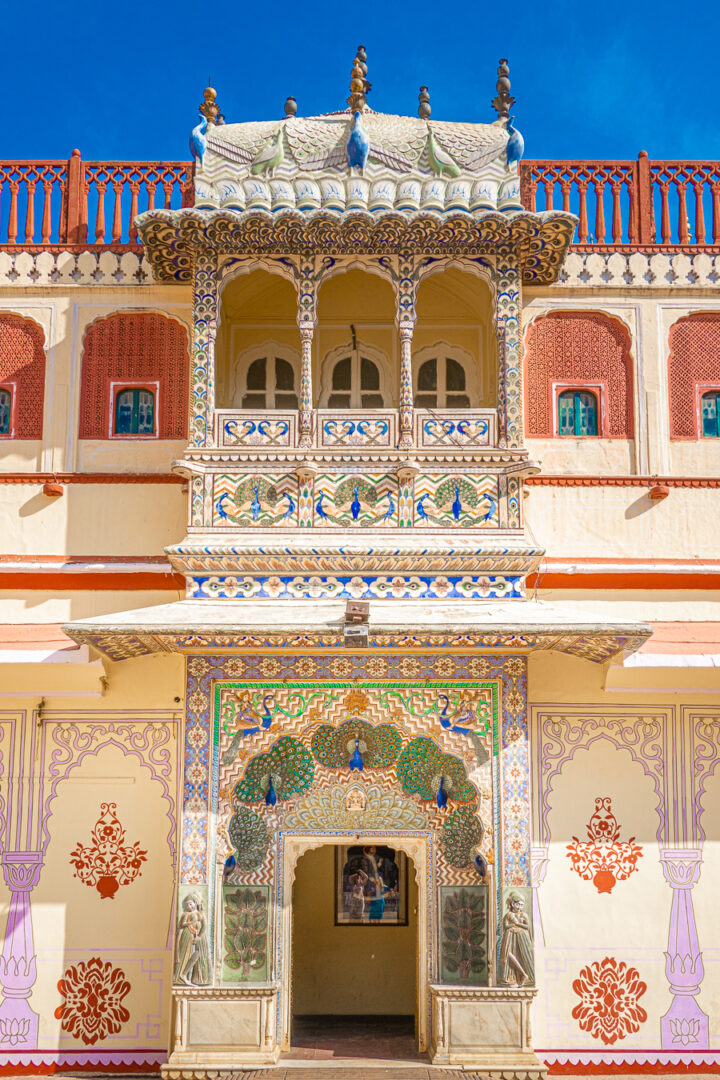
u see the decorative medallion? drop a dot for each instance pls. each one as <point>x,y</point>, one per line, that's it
<point>604,858</point>
<point>108,861</point>
<point>609,995</point>
<point>93,993</point>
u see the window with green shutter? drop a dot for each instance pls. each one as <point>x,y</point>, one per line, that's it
<point>5,411</point>
<point>577,413</point>
<point>134,412</point>
<point>710,414</point>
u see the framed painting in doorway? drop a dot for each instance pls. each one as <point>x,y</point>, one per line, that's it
<point>370,886</point>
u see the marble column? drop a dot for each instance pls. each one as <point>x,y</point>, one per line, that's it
<point>18,1022</point>
<point>684,1025</point>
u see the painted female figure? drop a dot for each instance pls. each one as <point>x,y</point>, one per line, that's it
<point>516,948</point>
<point>192,957</point>
<point>356,905</point>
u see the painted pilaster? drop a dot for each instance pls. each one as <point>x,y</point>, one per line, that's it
<point>306,487</point>
<point>18,1022</point>
<point>202,390</point>
<point>307,320</point>
<point>684,1025</point>
<point>406,490</point>
<point>406,290</point>
<point>511,426</point>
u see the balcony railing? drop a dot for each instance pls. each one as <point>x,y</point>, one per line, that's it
<point>78,204</point>
<point>651,205</point>
<point>372,428</point>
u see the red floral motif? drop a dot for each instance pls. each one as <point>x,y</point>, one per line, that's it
<point>92,994</point>
<point>604,858</point>
<point>108,862</point>
<point>609,993</point>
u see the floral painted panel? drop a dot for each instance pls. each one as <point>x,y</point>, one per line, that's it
<point>464,935</point>
<point>246,933</point>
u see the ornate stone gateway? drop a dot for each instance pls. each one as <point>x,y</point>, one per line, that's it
<point>412,751</point>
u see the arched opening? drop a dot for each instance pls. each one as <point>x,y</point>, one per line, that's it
<point>454,343</point>
<point>355,953</point>
<point>357,342</point>
<point>257,351</point>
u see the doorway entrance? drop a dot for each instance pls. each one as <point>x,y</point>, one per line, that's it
<point>355,953</point>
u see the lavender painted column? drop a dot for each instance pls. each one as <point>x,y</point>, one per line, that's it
<point>684,1025</point>
<point>18,1023</point>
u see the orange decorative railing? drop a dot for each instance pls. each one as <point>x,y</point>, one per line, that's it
<point>643,204</point>
<point>78,203</point>
<point>650,205</point>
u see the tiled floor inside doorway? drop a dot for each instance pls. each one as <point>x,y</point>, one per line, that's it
<point>376,1040</point>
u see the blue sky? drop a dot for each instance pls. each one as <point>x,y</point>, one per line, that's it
<point>591,81</point>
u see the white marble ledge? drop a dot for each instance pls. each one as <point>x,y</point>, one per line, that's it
<point>385,616</point>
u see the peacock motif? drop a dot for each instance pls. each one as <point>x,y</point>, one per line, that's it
<point>288,767</point>
<point>333,746</point>
<point>423,768</point>
<point>462,832</point>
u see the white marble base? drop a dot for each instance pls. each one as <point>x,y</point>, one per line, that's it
<point>485,1029</point>
<point>221,1029</point>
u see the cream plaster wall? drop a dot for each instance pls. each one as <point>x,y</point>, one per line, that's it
<point>600,457</point>
<point>91,519</point>
<point>624,522</point>
<point>346,970</point>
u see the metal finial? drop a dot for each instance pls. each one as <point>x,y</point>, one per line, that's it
<point>358,82</point>
<point>209,108</point>
<point>290,106</point>
<point>362,57</point>
<point>503,102</point>
<point>424,109</point>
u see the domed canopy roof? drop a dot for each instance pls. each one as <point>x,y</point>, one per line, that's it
<point>411,163</point>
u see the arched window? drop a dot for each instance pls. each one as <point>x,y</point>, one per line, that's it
<point>441,384</point>
<point>710,413</point>
<point>129,350</point>
<point>5,410</point>
<point>22,377</point>
<point>577,413</point>
<point>355,383</point>
<point>134,411</point>
<point>270,384</point>
<point>584,349</point>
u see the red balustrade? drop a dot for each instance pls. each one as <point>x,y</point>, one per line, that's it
<point>50,203</point>
<point>644,204</point>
